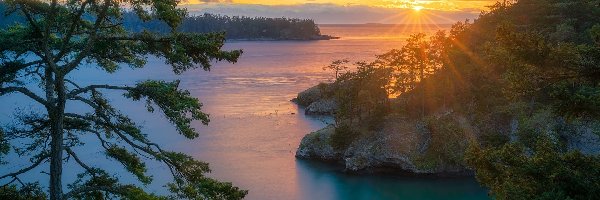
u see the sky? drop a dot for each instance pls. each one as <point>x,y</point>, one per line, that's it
<point>348,11</point>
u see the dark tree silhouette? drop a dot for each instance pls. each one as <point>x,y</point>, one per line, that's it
<point>58,37</point>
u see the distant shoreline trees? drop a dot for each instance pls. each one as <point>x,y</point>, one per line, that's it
<point>236,27</point>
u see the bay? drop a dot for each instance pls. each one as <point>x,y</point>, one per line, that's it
<point>255,129</point>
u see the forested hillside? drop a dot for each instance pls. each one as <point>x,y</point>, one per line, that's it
<point>236,27</point>
<point>506,95</point>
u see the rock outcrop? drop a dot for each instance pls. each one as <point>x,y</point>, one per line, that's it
<point>307,97</point>
<point>322,107</point>
<point>585,141</point>
<point>395,148</point>
<point>316,146</point>
<point>432,146</point>
<point>316,102</point>
<point>401,145</point>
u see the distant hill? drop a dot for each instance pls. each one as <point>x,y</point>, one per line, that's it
<point>236,28</point>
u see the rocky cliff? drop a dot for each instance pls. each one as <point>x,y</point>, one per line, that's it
<point>434,146</point>
<point>316,101</point>
<point>399,147</point>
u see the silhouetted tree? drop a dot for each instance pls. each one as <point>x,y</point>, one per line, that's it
<point>337,67</point>
<point>59,37</point>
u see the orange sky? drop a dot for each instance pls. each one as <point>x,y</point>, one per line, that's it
<point>443,5</point>
<point>348,11</point>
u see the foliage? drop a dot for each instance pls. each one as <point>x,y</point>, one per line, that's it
<point>337,67</point>
<point>4,146</point>
<point>412,63</point>
<point>547,65</point>
<point>595,33</point>
<point>26,192</point>
<point>524,74</point>
<point>56,38</point>
<point>362,93</point>
<point>343,137</point>
<point>542,172</point>
<point>177,105</point>
<point>236,27</point>
<point>448,142</point>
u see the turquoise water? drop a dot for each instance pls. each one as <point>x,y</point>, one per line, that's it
<point>346,186</point>
<point>255,129</point>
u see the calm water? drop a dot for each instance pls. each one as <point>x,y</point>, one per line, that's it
<point>255,130</point>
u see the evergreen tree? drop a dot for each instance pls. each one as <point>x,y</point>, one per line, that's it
<point>58,37</point>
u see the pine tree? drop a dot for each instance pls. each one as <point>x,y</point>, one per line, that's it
<point>59,37</point>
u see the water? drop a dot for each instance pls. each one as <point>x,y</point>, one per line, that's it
<point>255,129</point>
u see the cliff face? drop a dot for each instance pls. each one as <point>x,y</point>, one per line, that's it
<point>316,101</point>
<point>317,146</point>
<point>399,147</point>
<point>406,146</point>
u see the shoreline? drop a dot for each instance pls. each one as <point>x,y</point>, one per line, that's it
<point>393,171</point>
<point>314,38</point>
<point>396,148</point>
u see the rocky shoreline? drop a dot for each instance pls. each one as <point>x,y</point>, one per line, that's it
<point>391,150</point>
<point>401,145</point>
<point>315,102</point>
<point>382,153</point>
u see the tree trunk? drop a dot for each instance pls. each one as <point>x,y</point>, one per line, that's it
<point>57,115</point>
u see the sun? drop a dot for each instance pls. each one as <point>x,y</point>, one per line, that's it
<point>417,8</point>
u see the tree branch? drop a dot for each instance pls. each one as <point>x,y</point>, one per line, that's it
<point>93,87</point>
<point>29,18</point>
<point>72,83</point>
<point>135,38</point>
<point>34,165</point>
<point>26,92</point>
<point>76,19</point>
<point>92,189</point>
<point>90,40</point>
<point>81,163</point>
<point>157,154</point>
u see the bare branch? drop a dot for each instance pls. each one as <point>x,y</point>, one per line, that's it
<point>81,163</point>
<point>34,165</point>
<point>72,83</point>
<point>26,92</point>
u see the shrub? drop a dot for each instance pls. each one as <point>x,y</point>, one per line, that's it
<point>541,172</point>
<point>27,192</point>
<point>448,143</point>
<point>343,136</point>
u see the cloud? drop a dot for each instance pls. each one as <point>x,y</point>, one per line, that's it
<point>336,14</point>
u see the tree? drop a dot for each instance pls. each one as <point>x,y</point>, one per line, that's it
<point>412,63</point>
<point>337,67</point>
<point>62,36</point>
<point>236,27</point>
<point>541,172</point>
<point>363,93</point>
